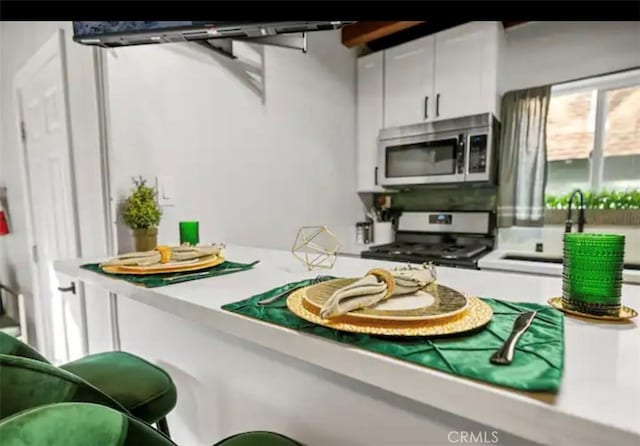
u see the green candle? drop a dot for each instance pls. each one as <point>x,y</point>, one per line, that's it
<point>189,233</point>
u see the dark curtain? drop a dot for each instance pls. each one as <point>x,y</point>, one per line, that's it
<point>523,157</point>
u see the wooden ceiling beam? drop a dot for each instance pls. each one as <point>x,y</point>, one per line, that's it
<point>363,32</point>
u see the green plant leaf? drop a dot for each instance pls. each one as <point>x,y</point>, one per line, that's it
<point>629,199</point>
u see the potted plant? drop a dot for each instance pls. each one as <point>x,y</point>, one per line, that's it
<point>142,214</point>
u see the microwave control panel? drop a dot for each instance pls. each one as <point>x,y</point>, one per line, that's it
<point>478,153</point>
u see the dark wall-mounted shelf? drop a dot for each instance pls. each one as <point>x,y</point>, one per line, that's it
<point>225,46</point>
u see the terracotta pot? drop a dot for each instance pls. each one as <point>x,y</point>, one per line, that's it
<point>145,239</point>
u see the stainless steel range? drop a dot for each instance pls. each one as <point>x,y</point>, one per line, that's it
<point>456,239</point>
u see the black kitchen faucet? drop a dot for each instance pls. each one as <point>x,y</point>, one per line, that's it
<point>581,219</point>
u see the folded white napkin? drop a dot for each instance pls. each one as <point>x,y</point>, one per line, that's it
<point>370,290</point>
<point>178,254</point>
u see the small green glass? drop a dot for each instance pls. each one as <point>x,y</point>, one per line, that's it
<point>592,272</point>
<point>189,233</point>
<point>590,238</point>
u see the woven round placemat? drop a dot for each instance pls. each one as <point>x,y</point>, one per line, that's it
<point>477,315</point>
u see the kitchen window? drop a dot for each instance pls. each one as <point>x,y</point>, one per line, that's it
<point>593,134</point>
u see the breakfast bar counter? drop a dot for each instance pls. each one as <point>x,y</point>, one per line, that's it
<point>236,373</point>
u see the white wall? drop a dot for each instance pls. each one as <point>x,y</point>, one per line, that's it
<point>541,53</point>
<point>251,173</point>
<point>18,42</point>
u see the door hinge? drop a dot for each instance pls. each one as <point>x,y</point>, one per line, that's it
<point>23,131</point>
<point>34,253</point>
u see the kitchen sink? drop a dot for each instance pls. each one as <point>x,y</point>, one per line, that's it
<point>558,260</point>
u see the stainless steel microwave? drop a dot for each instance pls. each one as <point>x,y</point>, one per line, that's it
<point>460,150</point>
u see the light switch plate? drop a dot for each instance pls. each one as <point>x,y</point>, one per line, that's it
<point>166,191</point>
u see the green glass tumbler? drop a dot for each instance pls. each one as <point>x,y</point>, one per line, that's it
<point>592,272</point>
<point>189,233</point>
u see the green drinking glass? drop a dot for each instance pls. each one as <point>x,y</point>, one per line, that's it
<point>583,239</point>
<point>592,272</point>
<point>189,233</point>
<point>585,264</point>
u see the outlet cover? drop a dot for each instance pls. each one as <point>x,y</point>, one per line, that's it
<point>166,191</point>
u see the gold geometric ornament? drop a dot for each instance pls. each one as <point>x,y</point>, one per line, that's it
<point>316,247</point>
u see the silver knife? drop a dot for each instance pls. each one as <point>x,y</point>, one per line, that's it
<point>204,273</point>
<point>504,355</point>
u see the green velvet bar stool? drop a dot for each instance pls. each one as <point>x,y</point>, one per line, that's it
<point>258,438</point>
<point>143,389</point>
<point>28,383</point>
<point>77,424</point>
<point>82,424</point>
<point>12,346</point>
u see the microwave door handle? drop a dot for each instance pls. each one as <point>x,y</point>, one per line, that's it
<point>461,155</point>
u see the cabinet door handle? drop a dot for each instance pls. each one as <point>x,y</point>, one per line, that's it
<point>71,288</point>
<point>426,107</point>
<point>375,175</point>
<point>438,104</point>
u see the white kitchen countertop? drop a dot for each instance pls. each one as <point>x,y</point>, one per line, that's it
<point>495,261</point>
<point>599,399</point>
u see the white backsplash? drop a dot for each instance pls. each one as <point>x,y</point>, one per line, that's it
<point>525,239</point>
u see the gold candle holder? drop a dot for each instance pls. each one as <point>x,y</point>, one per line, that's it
<point>316,247</point>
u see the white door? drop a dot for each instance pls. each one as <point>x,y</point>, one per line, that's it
<point>42,105</point>
<point>408,83</point>
<point>465,70</point>
<point>370,119</point>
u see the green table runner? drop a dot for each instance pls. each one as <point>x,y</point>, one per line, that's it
<point>537,365</point>
<point>163,279</point>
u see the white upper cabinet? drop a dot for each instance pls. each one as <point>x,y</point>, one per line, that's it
<point>466,69</point>
<point>408,82</point>
<point>445,75</point>
<point>369,119</point>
